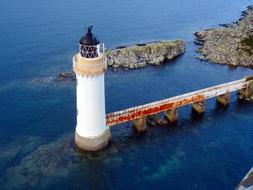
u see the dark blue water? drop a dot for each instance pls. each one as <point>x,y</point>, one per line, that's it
<point>37,120</point>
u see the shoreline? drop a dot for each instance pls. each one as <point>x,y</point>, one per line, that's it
<point>232,44</point>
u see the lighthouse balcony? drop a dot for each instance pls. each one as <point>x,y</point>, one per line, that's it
<point>89,66</point>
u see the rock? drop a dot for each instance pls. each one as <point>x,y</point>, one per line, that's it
<point>63,76</point>
<point>155,120</point>
<point>202,58</point>
<point>66,76</point>
<point>200,35</point>
<point>226,25</point>
<point>199,42</point>
<point>16,148</point>
<point>46,161</point>
<point>231,45</point>
<point>140,55</point>
<point>133,57</point>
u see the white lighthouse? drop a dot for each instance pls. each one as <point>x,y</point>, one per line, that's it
<point>89,65</point>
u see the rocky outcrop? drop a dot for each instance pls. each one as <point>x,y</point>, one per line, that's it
<point>140,55</point>
<point>60,77</point>
<point>66,76</point>
<point>132,57</point>
<point>232,44</point>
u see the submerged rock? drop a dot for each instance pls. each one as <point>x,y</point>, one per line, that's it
<point>12,151</point>
<point>60,77</point>
<point>232,44</point>
<point>140,55</point>
<point>46,161</point>
<point>65,76</point>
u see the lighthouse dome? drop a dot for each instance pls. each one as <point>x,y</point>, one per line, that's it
<point>89,39</point>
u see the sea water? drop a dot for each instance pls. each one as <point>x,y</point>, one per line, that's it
<point>37,120</point>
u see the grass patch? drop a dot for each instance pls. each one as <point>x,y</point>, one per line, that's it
<point>249,43</point>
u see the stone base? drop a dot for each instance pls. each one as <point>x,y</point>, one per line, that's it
<point>92,143</point>
<point>247,93</point>
<point>224,99</point>
<point>171,115</point>
<point>198,107</point>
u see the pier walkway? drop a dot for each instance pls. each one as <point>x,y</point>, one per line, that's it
<point>196,98</point>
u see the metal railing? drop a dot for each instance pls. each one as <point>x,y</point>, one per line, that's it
<point>173,102</point>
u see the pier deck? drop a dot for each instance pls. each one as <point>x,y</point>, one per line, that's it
<point>175,102</point>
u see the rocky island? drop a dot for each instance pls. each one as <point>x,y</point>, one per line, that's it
<point>136,56</point>
<point>140,55</point>
<point>232,44</point>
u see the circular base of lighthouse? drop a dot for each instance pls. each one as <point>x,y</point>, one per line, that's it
<point>92,143</point>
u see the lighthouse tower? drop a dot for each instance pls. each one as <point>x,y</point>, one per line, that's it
<point>89,65</point>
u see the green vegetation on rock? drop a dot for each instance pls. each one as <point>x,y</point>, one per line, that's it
<point>248,42</point>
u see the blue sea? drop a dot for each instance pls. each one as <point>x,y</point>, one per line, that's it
<point>37,120</point>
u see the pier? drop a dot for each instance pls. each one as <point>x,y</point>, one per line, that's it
<point>170,105</point>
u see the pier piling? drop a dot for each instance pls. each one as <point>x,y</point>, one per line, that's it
<point>224,99</point>
<point>247,93</point>
<point>171,115</point>
<point>198,107</point>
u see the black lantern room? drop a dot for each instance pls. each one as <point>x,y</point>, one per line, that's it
<point>89,45</point>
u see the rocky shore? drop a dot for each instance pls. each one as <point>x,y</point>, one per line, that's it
<point>140,55</point>
<point>132,57</point>
<point>232,44</point>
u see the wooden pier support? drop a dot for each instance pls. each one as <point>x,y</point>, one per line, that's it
<point>224,99</point>
<point>171,115</point>
<point>140,124</point>
<point>198,107</point>
<point>247,93</point>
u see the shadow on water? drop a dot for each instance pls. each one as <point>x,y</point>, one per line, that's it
<point>219,107</point>
<point>196,117</point>
<point>242,104</point>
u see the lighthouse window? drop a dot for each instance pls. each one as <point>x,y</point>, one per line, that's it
<point>89,51</point>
